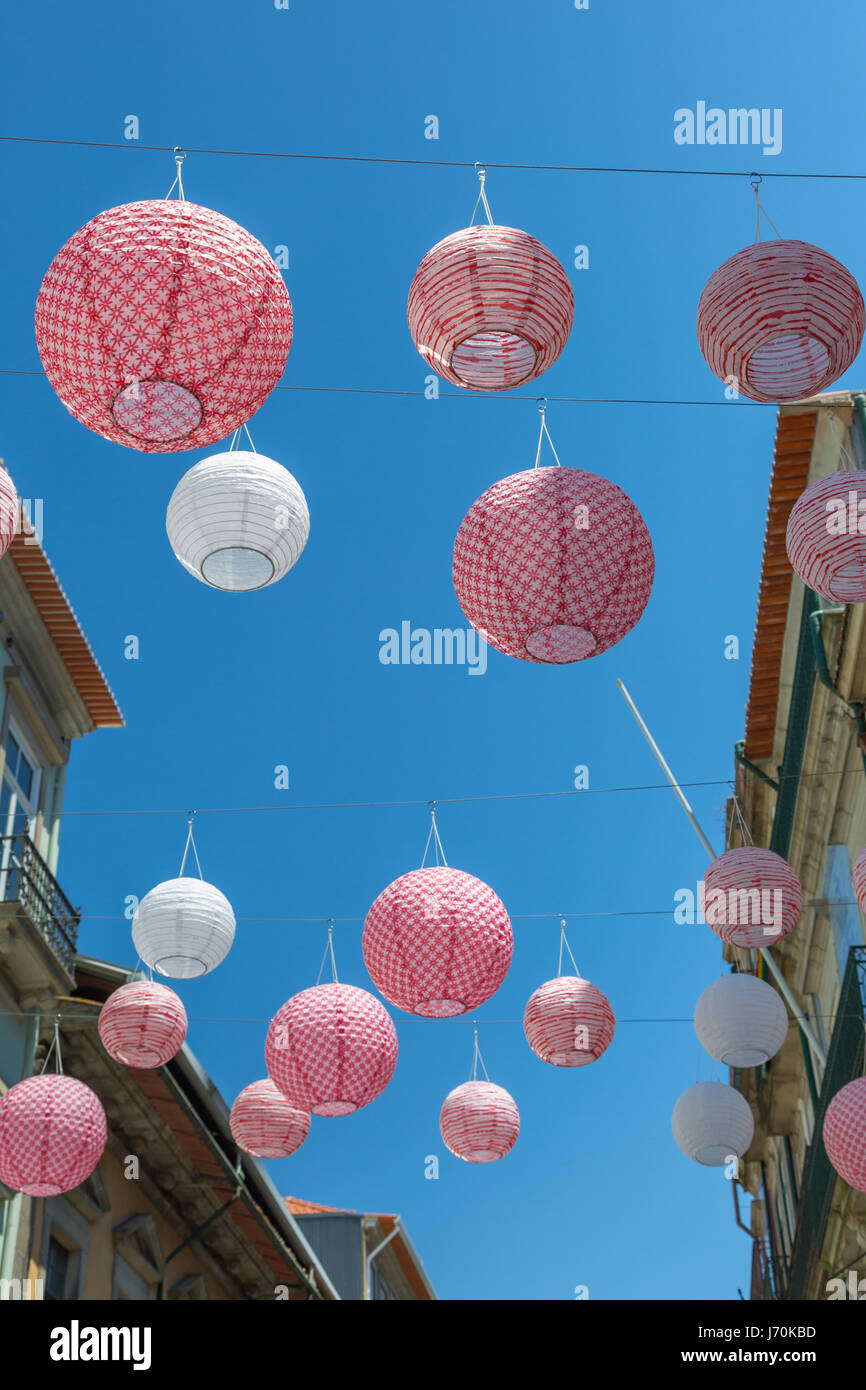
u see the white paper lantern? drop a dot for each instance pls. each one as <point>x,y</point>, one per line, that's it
<point>712,1123</point>
<point>183,928</point>
<point>741,1021</point>
<point>237,521</point>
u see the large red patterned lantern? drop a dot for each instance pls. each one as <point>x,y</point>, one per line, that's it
<point>568,1022</point>
<point>781,320</point>
<point>52,1134</point>
<point>264,1124</point>
<point>845,1133</point>
<point>9,511</point>
<point>752,897</point>
<point>479,1122</point>
<point>331,1049</point>
<point>825,544</point>
<point>437,942</point>
<point>553,565</point>
<point>163,325</point>
<point>142,1024</point>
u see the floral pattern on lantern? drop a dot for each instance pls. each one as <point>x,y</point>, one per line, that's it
<point>781,319</point>
<point>845,1133</point>
<point>163,325</point>
<point>331,1049</point>
<point>825,545</point>
<point>752,897</point>
<point>9,511</point>
<point>479,1122</point>
<point>52,1134</point>
<point>142,1024</point>
<point>712,1123</point>
<point>264,1124</point>
<point>568,1022</point>
<point>741,1021</point>
<point>183,928</point>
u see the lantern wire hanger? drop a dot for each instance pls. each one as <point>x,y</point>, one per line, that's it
<point>482,197</point>
<point>563,945</point>
<point>433,834</point>
<point>55,1047</point>
<point>179,157</point>
<point>190,841</point>
<point>329,951</point>
<point>848,464</point>
<point>236,437</point>
<point>743,828</point>
<point>477,1058</point>
<point>755,180</point>
<point>543,430</point>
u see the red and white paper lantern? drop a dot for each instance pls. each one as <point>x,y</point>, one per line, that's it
<point>142,1024</point>
<point>490,307</point>
<point>553,565</point>
<point>858,880</point>
<point>752,897</point>
<point>9,511</point>
<point>568,1022</point>
<point>52,1134</point>
<point>845,1133</point>
<point>331,1049</point>
<point>263,1123</point>
<point>479,1122</point>
<point>437,942</point>
<point>825,544</point>
<point>163,325</point>
<point>780,320</point>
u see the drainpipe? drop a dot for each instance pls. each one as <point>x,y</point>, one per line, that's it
<point>11,1226</point>
<point>368,1282</point>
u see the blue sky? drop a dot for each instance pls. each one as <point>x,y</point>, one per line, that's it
<point>595,1193</point>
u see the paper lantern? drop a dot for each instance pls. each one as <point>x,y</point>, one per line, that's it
<point>712,1123</point>
<point>9,511</point>
<point>553,565</point>
<point>782,319</point>
<point>52,1134</point>
<point>845,1133</point>
<point>437,942</point>
<point>264,1124</point>
<point>825,545</point>
<point>331,1049</point>
<point>142,1024</point>
<point>568,1022</point>
<point>741,1021</point>
<point>183,928</point>
<point>858,880</point>
<point>490,307</point>
<point>479,1122</point>
<point>237,521</point>
<point>752,897</point>
<point>163,325</point>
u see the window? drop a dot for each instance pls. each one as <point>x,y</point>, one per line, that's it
<point>56,1270</point>
<point>844,915</point>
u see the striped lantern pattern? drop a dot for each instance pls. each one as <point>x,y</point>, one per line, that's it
<point>437,942</point>
<point>142,1024</point>
<point>741,1021</point>
<point>52,1134</point>
<point>163,325</point>
<point>752,897</point>
<point>825,544</point>
<point>845,1133</point>
<point>568,1022</point>
<point>237,521</point>
<point>712,1123</point>
<point>858,880</point>
<point>553,565</point>
<point>9,511</point>
<point>331,1049</point>
<point>490,307</point>
<point>183,928</point>
<point>479,1122</point>
<point>781,319</point>
<point>264,1124</point>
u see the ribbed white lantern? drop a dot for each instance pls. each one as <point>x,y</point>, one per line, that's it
<point>741,1021</point>
<point>237,521</point>
<point>712,1123</point>
<point>183,928</point>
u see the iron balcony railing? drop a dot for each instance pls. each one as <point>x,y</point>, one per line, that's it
<point>26,879</point>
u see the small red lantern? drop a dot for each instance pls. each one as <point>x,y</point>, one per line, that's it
<point>568,1022</point>
<point>858,880</point>
<point>825,545</point>
<point>845,1133</point>
<point>9,511</point>
<point>752,897</point>
<point>52,1134</point>
<point>264,1124</point>
<point>479,1122</point>
<point>331,1049</point>
<point>142,1024</point>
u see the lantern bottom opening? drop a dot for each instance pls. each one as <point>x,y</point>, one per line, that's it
<point>848,584</point>
<point>157,411</point>
<point>42,1189</point>
<point>714,1156</point>
<point>788,367</point>
<point>440,1008</point>
<point>746,1057</point>
<point>334,1108</point>
<point>494,361</point>
<point>140,1057</point>
<point>560,643</point>
<point>754,938</point>
<point>569,1059</point>
<point>179,967</point>
<point>480,1155</point>
<point>237,569</point>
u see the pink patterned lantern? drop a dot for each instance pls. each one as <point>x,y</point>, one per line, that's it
<point>163,325</point>
<point>858,880</point>
<point>142,1024</point>
<point>52,1134</point>
<point>437,942</point>
<point>331,1049</point>
<point>264,1124</point>
<point>780,319</point>
<point>751,897</point>
<point>553,565</point>
<point>9,511</point>
<point>490,307</point>
<point>824,540</point>
<point>568,1022</point>
<point>479,1122</point>
<point>845,1133</point>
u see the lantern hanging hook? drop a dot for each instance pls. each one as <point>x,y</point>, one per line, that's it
<point>329,951</point>
<point>190,842</point>
<point>179,156</point>
<point>481,172</point>
<point>476,1056</point>
<point>55,1047</point>
<point>434,838</point>
<point>543,430</point>
<point>563,945</point>
<point>756,180</point>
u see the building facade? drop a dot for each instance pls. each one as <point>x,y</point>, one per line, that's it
<point>369,1255</point>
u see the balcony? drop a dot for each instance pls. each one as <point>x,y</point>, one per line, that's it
<point>30,895</point>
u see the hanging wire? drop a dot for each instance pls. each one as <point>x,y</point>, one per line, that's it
<point>543,430</point>
<point>236,436</point>
<point>179,157</point>
<point>563,944</point>
<point>477,1058</point>
<point>329,951</point>
<point>190,841</point>
<point>745,832</point>
<point>55,1047</point>
<point>848,464</point>
<point>433,835</point>
<point>482,197</point>
<point>755,180</point>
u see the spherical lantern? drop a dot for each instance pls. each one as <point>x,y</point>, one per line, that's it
<point>183,928</point>
<point>331,1049</point>
<point>752,897</point>
<point>237,521</point>
<point>553,565</point>
<point>142,1024</point>
<point>490,307</point>
<point>9,511</point>
<point>479,1122</point>
<point>825,545</point>
<point>437,942</point>
<point>264,1124</point>
<point>163,325</point>
<point>568,1022</point>
<point>712,1123</point>
<point>845,1133</point>
<point>783,319</point>
<point>858,880</point>
<point>52,1134</point>
<point>741,1021</point>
